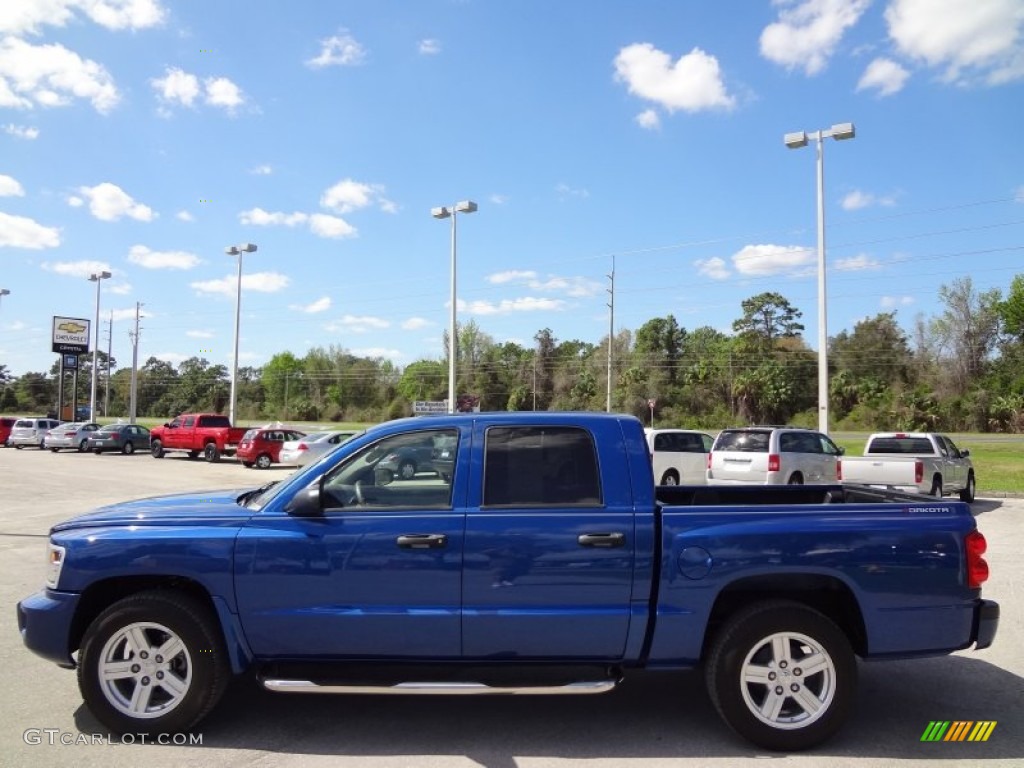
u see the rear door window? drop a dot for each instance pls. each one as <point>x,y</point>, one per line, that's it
<point>540,466</point>
<point>743,441</point>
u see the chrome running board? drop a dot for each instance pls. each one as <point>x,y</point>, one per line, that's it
<point>459,688</point>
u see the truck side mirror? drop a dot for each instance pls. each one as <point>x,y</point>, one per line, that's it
<point>305,503</point>
<point>965,453</point>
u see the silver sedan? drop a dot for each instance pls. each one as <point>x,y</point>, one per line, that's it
<point>73,435</point>
<point>311,447</point>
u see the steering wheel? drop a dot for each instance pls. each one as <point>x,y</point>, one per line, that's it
<point>358,488</point>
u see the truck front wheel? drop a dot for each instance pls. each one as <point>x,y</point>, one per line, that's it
<point>782,675</point>
<point>210,452</point>
<point>157,449</point>
<point>967,494</point>
<point>152,663</point>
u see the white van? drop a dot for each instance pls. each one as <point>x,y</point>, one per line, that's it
<point>679,456</point>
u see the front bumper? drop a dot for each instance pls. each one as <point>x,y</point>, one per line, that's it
<point>986,622</point>
<point>44,620</point>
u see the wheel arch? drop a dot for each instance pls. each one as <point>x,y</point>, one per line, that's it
<point>101,595</point>
<point>826,594</point>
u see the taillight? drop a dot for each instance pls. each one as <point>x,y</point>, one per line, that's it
<point>977,569</point>
<point>918,472</point>
<point>839,469</point>
<point>774,465</point>
<point>709,459</point>
<point>302,447</point>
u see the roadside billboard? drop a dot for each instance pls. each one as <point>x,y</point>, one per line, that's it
<point>70,334</point>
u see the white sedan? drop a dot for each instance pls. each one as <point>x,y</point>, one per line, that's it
<point>73,435</point>
<point>311,447</point>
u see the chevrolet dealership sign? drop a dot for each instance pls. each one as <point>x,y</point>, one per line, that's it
<point>70,334</point>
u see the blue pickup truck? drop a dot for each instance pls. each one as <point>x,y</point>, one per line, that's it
<point>546,561</point>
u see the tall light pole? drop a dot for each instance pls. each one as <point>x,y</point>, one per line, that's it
<point>96,277</point>
<point>233,250</point>
<point>444,212</point>
<point>838,132</point>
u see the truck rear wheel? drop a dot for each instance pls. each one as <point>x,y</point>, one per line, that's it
<point>967,494</point>
<point>782,675</point>
<point>936,490</point>
<point>211,453</point>
<point>153,663</point>
<point>157,449</point>
<point>671,477</point>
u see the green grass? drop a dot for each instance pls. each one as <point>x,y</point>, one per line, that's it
<point>998,459</point>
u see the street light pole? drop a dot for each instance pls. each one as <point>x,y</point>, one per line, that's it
<point>96,277</point>
<point>443,212</point>
<point>232,250</point>
<point>839,132</point>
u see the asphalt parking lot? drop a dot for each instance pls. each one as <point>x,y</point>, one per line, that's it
<point>652,720</point>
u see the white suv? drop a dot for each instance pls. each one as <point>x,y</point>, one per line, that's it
<point>773,456</point>
<point>678,456</point>
<point>31,432</point>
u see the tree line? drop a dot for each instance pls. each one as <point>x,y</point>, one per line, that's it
<point>960,370</point>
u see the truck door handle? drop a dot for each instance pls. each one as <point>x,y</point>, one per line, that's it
<point>422,541</point>
<point>602,540</point>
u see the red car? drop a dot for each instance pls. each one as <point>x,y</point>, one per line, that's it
<point>6,425</point>
<point>262,447</point>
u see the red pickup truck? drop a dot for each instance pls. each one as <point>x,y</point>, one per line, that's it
<point>210,434</point>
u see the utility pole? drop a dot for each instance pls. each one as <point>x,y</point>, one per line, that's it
<point>134,335</point>
<point>611,334</point>
<point>110,350</point>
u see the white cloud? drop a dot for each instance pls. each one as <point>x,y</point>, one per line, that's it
<point>221,92</point>
<point>349,195</point>
<point>120,314</point>
<point>357,324</point>
<point>507,306</point>
<point>856,263</point>
<point>884,75</point>
<point>714,268</point>
<point>176,87</point>
<point>893,301</point>
<point>199,334</point>
<point>108,202</point>
<point>262,282</point>
<point>121,289</point>
<point>415,324</point>
<point>22,232</point>
<point>258,217</point>
<point>184,216</point>
<point>693,83</point>
<point>28,16</point>
<point>511,275</point>
<point>498,199</point>
<point>964,38</point>
<point>10,187</point>
<point>262,170</point>
<point>764,260</point>
<point>21,131</point>
<point>174,358</point>
<point>75,201</point>
<point>340,50</point>
<point>565,191</point>
<point>144,257</point>
<point>330,226</point>
<point>808,31</point>
<point>320,305</point>
<point>384,352</point>
<point>648,119</point>
<point>1018,196</point>
<point>430,47</point>
<point>77,268</point>
<point>51,76</point>
<point>856,200</point>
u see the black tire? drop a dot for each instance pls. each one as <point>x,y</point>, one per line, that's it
<point>936,489</point>
<point>246,463</point>
<point>19,447</point>
<point>263,461</point>
<point>211,453</point>
<point>744,649</point>
<point>967,494</point>
<point>796,479</point>
<point>97,451</point>
<point>406,470</point>
<point>54,450</point>
<point>200,669</point>
<point>128,448</point>
<point>156,449</point>
<point>82,448</point>
<point>671,477</point>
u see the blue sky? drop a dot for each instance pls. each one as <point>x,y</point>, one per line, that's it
<point>144,136</point>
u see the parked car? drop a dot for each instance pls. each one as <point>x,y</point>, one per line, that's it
<point>126,438</point>
<point>307,449</point>
<point>678,456</point>
<point>6,425</point>
<point>210,434</point>
<point>262,447</point>
<point>773,456</point>
<point>435,455</point>
<point>31,431</point>
<point>916,462</point>
<point>73,435</point>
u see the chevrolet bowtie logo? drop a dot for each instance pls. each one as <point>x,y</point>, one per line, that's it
<point>71,327</point>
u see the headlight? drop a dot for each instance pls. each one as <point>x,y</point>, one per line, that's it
<point>54,564</point>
